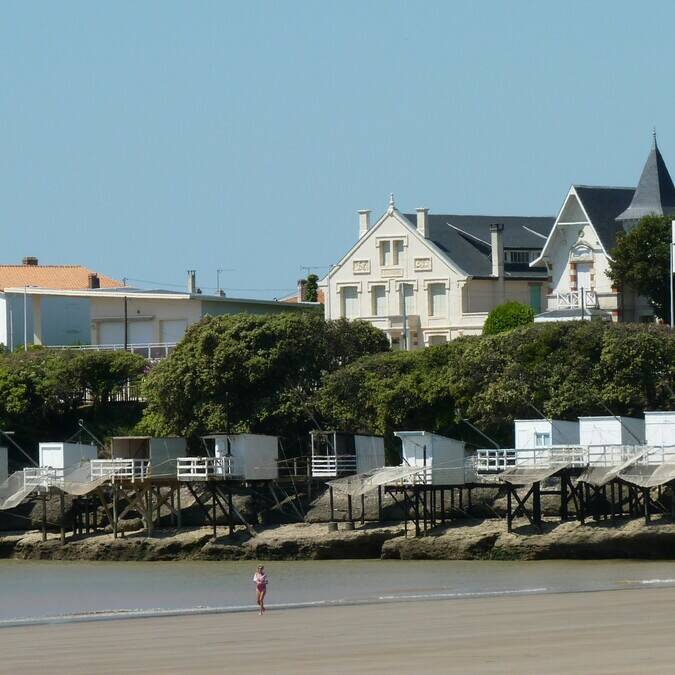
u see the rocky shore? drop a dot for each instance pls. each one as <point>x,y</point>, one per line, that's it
<point>463,540</point>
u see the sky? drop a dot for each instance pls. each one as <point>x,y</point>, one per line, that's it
<point>143,139</point>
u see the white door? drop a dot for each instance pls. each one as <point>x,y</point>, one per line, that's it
<point>141,332</point>
<point>172,331</point>
<point>111,333</point>
<point>584,276</point>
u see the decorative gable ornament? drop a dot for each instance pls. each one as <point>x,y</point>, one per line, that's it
<point>581,252</point>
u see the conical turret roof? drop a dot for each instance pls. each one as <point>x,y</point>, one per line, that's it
<point>655,194</point>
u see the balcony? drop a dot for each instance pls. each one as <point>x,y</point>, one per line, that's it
<point>573,300</point>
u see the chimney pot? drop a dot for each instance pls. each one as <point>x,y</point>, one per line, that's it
<point>497,253</point>
<point>93,280</point>
<point>30,260</point>
<point>302,290</point>
<point>364,222</point>
<point>192,281</point>
<point>423,222</point>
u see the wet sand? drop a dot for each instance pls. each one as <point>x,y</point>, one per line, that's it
<point>627,631</point>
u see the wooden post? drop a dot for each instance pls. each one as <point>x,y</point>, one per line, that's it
<point>405,511</point>
<point>379,503</point>
<point>363,509</point>
<point>148,512</point>
<point>62,505</point>
<point>442,506</point>
<point>44,518</point>
<point>213,516</point>
<point>173,506</point>
<point>230,515</point>
<point>470,504</point>
<point>332,503</point>
<point>563,496</point>
<point>87,518</point>
<point>452,500</point>
<point>645,497</point>
<point>461,500</point>
<point>350,517</point>
<point>179,515</point>
<point>509,511</point>
<point>416,492</point>
<point>114,509</point>
<point>536,504</point>
<point>612,500</point>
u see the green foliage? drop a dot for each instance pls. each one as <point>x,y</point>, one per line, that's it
<point>251,373</point>
<point>42,391</point>
<point>641,261</point>
<point>312,288</point>
<point>562,369</point>
<point>508,316</point>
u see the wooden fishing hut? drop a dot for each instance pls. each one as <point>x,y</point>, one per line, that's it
<point>660,428</point>
<point>232,461</point>
<point>336,453</point>
<point>141,472</point>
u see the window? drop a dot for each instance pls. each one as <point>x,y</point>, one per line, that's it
<point>437,300</point>
<point>542,439</point>
<point>379,300</point>
<point>406,299</point>
<point>350,302</point>
<point>437,340</point>
<point>398,251</point>
<point>385,253</point>
<point>520,256</point>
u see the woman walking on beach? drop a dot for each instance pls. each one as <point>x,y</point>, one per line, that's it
<point>260,580</point>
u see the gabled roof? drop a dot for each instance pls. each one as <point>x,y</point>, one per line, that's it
<point>465,239</point>
<point>603,205</point>
<point>655,193</point>
<point>67,277</point>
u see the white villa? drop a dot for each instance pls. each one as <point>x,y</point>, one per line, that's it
<point>576,251</point>
<point>425,279</point>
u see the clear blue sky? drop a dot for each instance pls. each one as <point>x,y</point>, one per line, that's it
<point>145,138</point>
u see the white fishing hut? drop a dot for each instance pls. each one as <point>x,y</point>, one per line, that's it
<point>543,433</point>
<point>137,457</point>
<point>233,456</point>
<point>610,430</point>
<point>660,428</point>
<point>336,453</point>
<point>445,458</point>
<point>55,460</point>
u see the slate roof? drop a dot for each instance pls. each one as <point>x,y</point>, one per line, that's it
<point>63,277</point>
<point>655,193</point>
<point>603,205</point>
<point>468,242</point>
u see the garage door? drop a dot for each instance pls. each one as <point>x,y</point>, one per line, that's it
<point>141,332</point>
<point>172,330</point>
<point>111,333</point>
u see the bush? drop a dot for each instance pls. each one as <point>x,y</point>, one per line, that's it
<point>508,316</point>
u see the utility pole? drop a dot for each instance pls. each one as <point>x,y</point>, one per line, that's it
<point>671,271</point>
<point>25,319</point>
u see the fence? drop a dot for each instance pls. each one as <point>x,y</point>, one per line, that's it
<point>332,465</point>
<point>204,468</point>
<point>122,469</point>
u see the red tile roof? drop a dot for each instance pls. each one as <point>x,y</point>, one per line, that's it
<point>66,277</point>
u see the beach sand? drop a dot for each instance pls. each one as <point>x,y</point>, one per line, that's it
<point>614,632</point>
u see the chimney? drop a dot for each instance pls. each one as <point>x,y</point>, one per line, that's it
<point>93,280</point>
<point>302,290</point>
<point>364,222</point>
<point>423,222</point>
<point>30,261</point>
<point>497,244</point>
<point>192,281</point>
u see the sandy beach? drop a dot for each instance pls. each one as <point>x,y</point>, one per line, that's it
<point>602,632</point>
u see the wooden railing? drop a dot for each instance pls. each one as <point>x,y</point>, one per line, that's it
<point>205,468</point>
<point>332,465</point>
<point>120,469</point>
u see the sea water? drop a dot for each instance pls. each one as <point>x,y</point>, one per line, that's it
<point>39,591</point>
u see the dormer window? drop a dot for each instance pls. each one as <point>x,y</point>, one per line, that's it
<point>522,256</point>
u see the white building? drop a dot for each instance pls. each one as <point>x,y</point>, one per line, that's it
<point>577,250</point>
<point>443,273</point>
<point>542,433</point>
<point>148,322</point>
<point>610,430</point>
<point>660,427</point>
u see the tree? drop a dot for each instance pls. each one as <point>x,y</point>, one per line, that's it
<point>312,288</point>
<point>641,260</point>
<point>508,316</point>
<point>252,373</point>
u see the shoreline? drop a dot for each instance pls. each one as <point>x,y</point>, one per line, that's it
<point>467,539</point>
<point>623,631</point>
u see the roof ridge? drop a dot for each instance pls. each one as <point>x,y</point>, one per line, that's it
<point>28,267</point>
<point>602,187</point>
<point>480,215</point>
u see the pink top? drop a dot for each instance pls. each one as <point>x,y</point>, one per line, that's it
<point>260,581</point>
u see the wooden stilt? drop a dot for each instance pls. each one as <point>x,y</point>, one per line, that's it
<point>213,516</point>
<point>331,499</point>
<point>379,503</point>
<point>350,517</point>
<point>416,492</point>
<point>114,508</point>
<point>442,506</point>
<point>461,500</point>
<point>645,497</point>
<point>62,507</point>
<point>363,509</point>
<point>230,511</point>
<point>44,518</point>
<point>452,501</point>
<point>468,491</point>
<point>563,497</point>
<point>536,505</point>
<point>509,508</point>
<point>148,512</point>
